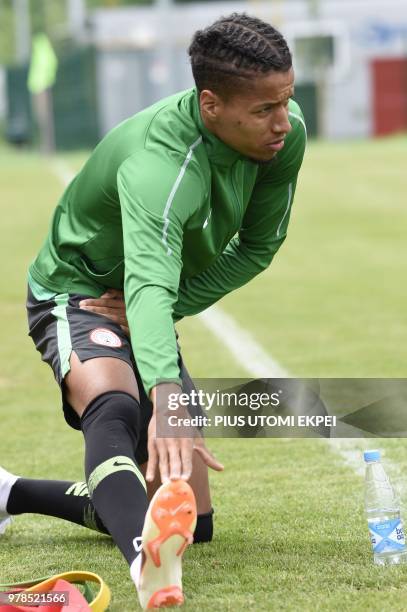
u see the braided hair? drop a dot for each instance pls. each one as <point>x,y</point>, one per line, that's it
<point>234,49</point>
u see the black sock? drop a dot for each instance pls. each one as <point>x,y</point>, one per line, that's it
<point>204,527</point>
<point>66,500</point>
<point>110,425</point>
<point>70,501</point>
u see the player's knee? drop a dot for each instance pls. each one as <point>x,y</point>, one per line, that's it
<point>116,407</point>
<point>92,378</point>
<point>204,527</point>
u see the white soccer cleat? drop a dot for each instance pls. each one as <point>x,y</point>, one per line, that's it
<point>6,482</point>
<point>168,529</point>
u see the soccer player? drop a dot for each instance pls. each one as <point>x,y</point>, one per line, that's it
<point>177,206</point>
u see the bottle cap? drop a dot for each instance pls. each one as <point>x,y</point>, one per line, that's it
<point>371,455</point>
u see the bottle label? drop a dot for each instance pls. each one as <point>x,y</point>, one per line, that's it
<point>387,536</point>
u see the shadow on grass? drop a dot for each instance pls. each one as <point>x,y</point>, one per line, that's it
<point>68,541</point>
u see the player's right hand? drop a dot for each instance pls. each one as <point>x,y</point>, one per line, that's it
<point>111,305</point>
<point>173,455</point>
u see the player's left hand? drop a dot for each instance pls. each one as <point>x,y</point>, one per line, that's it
<point>111,305</point>
<point>206,455</point>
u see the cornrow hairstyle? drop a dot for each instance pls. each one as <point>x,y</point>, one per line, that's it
<point>234,49</point>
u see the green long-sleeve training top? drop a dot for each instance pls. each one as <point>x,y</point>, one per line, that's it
<point>166,211</point>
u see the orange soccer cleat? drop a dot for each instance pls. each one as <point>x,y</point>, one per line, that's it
<point>168,529</point>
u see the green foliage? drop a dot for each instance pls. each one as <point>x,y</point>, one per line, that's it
<point>45,16</point>
<point>7,47</point>
<point>91,4</point>
<point>48,16</point>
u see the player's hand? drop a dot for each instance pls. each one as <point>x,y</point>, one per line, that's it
<point>206,455</point>
<point>173,456</point>
<point>111,305</point>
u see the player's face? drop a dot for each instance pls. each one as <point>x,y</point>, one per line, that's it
<point>255,121</point>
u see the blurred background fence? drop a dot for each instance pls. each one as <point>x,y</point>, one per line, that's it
<point>114,58</point>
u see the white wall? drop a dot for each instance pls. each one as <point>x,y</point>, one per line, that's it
<point>366,29</point>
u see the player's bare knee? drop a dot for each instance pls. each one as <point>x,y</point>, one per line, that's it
<point>89,379</point>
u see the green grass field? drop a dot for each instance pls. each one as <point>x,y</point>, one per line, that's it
<point>290,532</point>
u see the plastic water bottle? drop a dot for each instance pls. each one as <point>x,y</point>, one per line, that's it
<point>383,514</point>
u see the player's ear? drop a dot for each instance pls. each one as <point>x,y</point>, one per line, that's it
<point>210,104</point>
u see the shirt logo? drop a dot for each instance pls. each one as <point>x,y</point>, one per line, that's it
<point>105,337</point>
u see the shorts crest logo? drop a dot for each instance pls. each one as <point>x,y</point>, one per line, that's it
<point>105,337</point>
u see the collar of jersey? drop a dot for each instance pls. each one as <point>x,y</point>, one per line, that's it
<point>218,152</point>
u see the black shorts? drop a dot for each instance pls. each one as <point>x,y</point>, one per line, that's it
<point>58,326</point>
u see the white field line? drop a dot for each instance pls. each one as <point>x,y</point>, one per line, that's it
<point>256,360</point>
<point>244,348</point>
